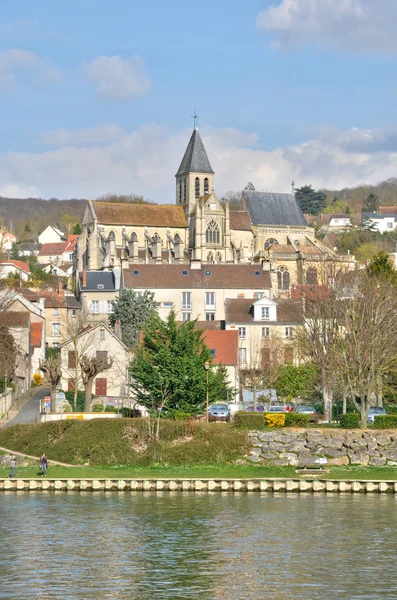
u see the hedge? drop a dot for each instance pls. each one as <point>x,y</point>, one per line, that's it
<point>294,419</point>
<point>275,419</point>
<point>350,421</point>
<point>385,421</point>
<point>249,420</point>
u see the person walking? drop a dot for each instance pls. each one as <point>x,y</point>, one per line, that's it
<point>43,465</point>
<point>13,466</point>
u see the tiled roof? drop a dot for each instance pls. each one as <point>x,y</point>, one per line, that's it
<point>29,294</point>
<point>239,310</point>
<point>271,208</point>
<point>195,159</point>
<point>207,324</point>
<point>53,249</point>
<point>240,220</point>
<point>53,299</point>
<point>225,344</point>
<point>15,318</point>
<point>36,332</point>
<point>113,213</point>
<point>18,264</point>
<point>282,248</point>
<point>154,276</point>
<point>388,210</point>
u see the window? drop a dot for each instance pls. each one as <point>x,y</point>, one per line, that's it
<point>265,313</point>
<point>73,312</point>
<point>206,185</point>
<point>71,359</point>
<point>135,272</point>
<point>389,225</point>
<point>270,243</point>
<point>210,316</point>
<point>186,300</point>
<point>257,273</point>
<point>180,191</point>
<point>56,329</point>
<point>289,332</point>
<point>101,386</point>
<point>56,312</point>
<point>265,332</point>
<point>209,299</point>
<point>95,307</point>
<point>212,352</point>
<point>185,273</point>
<point>212,235</point>
<point>186,316</point>
<point>168,304</point>
<point>219,257</point>
<point>311,276</point>
<point>100,286</point>
<point>283,279</point>
<point>259,295</point>
<point>110,306</point>
<point>184,190</point>
<point>102,355</point>
<point>70,385</point>
<point>102,334</point>
<point>242,355</point>
<point>138,294</point>
<point>55,345</point>
<point>242,333</point>
<point>197,188</point>
<point>71,257</point>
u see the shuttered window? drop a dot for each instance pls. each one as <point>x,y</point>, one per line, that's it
<point>101,386</point>
<point>71,359</point>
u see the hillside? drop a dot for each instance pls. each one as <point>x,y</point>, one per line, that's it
<point>385,190</point>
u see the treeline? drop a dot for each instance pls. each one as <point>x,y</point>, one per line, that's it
<point>355,197</point>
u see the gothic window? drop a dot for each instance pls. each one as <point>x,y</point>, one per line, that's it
<point>133,237</point>
<point>210,257</point>
<point>206,186</point>
<point>184,190</point>
<point>218,257</point>
<point>197,187</point>
<point>212,235</point>
<point>270,242</point>
<point>111,236</point>
<point>311,276</point>
<point>180,191</point>
<point>283,278</point>
<point>177,239</point>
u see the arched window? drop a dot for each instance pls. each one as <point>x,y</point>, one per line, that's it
<point>133,237</point>
<point>270,243</point>
<point>283,278</point>
<point>218,257</point>
<point>311,276</point>
<point>156,238</point>
<point>197,187</point>
<point>212,234</point>
<point>111,236</point>
<point>206,186</point>
<point>180,191</point>
<point>177,239</point>
<point>210,257</point>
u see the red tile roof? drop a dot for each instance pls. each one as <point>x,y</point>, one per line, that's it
<point>18,264</point>
<point>36,333</point>
<point>53,249</point>
<point>239,219</point>
<point>388,210</point>
<point>225,344</point>
<point>113,213</point>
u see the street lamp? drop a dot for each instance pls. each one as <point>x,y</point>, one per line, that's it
<point>206,367</point>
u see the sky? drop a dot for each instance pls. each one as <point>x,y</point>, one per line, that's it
<point>97,97</point>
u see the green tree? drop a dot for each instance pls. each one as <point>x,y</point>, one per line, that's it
<point>220,389</point>
<point>371,203</point>
<point>77,229</point>
<point>367,251</point>
<point>133,311</point>
<point>14,254</point>
<point>311,201</point>
<point>381,266</point>
<point>297,381</point>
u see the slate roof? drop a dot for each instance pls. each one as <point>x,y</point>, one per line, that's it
<point>95,278</point>
<point>152,276</point>
<point>239,310</point>
<point>195,159</point>
<point>377,216</point>
<point>225,344</point>
<point>240,220</point>
<point>273,208</point>
<point>115,213</point>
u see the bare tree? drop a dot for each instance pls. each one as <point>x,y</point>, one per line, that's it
<point>52,370</point>
<point>91,366</point>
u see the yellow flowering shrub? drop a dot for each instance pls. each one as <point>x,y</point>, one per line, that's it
<point>37,379</point>
<point>275,419</point>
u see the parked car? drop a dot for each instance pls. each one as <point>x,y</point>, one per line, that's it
<point>374,412</point>
<point>276,408</point>
<point>219,412</point>
<point>289,407</point>
<point>259,408</point>
<point>306,409</point>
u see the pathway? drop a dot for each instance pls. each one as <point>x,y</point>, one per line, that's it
<point>31,410</point>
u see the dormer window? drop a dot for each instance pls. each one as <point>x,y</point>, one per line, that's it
<point>265,313</point>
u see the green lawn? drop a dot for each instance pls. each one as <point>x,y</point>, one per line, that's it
<point>197,472</point>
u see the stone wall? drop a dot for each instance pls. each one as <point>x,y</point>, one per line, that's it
<point>303,447</point>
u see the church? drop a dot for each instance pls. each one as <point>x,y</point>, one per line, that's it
<point>268,230</point>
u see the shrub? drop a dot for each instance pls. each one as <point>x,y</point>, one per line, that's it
<point>275,419</point>
<point>130,413</point>
<point>37,380</point>
<point>180,415</point>
<point>97,408</point>
<point>294,419</point>
<point>350,421</point>
<point>390,408</point>
<point>79,400</point>
<point>249,420</point>
<point>385,421</point>
<point>111,408</point>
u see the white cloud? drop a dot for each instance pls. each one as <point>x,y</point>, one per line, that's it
<point>117,78</point>
<point>26,67</point>
<point>101,134</point>
<point>357,25</point>
<point>146,160</point>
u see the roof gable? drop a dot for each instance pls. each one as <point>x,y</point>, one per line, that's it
<point>240,220</point>
<point>18,264</point>
<point>273,208</point>
<point>195,159</point>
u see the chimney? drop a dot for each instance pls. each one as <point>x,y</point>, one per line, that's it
<point>117,329</point>
<point>84,278</point>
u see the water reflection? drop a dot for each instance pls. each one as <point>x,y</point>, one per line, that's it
<point>192,545</point>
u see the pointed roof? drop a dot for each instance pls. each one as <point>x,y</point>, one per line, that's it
<point>195,159</point>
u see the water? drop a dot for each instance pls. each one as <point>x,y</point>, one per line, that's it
<point>184,545</point>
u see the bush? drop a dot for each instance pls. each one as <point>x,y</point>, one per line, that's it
<point>385,421</point>
<point>111,408</point>
<point>350,421</point>
<point>390,408</point>
<point>275,419</point>
<point>37,380</point>
<point>180,415</point>
<point>79,400</point>
<point>294,419</point>
<point>97,408</point>
<point>249,420</point>
<point>131,413</point>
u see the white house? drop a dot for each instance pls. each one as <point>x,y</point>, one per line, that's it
<point>51,235</point>
<point>382,223</point>
<point>12,267</point>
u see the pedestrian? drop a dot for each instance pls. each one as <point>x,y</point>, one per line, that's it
<point>13,464</point>
<point>43,464</point>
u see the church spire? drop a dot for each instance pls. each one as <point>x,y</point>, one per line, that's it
<point>195,159</point>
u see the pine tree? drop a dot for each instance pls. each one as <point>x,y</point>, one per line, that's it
<point>133,311</point>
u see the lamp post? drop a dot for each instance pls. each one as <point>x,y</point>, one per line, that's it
<point>206,367</point>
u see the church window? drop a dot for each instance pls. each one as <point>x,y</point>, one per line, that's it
<point>311,276</point>
<point>177,239</point>
<point>270,243</point>
<point>212,235</point>
<point>133,237</point>
<point>180,191</point>
<point>210,257</point>
<point>218,257</point>
<point>111,236</point>
<point>283,279</point>
<point>197,187</point>
<point>184,190</point>
<point>206,186</point>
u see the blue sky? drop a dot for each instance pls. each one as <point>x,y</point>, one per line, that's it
<point>97,96</point>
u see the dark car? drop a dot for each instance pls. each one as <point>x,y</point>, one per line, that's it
<point>219,412</point>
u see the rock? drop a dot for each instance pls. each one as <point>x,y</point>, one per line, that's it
<point>377,461</point>
<point>254,458</point>
<point>240,461</point>
<point>392,463</point>
<point>341,461</point>
<point>359,459</point>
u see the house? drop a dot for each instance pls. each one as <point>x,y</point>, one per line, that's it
<point>29,248</point>
<point>223,346</point>
<point>6,241</point>
<point>14,268</point>
<point>97,290</point>
<point>377,222</point>
<point>51,235</point>
<point>52,253</point>
<point>110,386</point>
<point>198,293</point>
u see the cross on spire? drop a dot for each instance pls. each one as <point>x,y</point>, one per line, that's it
<point>195,119</point>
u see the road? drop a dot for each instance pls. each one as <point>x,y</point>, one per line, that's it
<point>31,410</point>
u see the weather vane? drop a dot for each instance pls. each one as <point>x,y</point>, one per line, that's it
<point>195,119</point>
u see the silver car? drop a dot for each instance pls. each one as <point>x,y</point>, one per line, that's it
<point>374,412</point>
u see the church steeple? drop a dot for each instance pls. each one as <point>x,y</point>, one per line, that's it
<point>195,176</point>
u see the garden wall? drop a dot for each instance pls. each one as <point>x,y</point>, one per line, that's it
<point>303,447</point>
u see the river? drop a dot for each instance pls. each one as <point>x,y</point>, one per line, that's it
<point>197,545</point>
